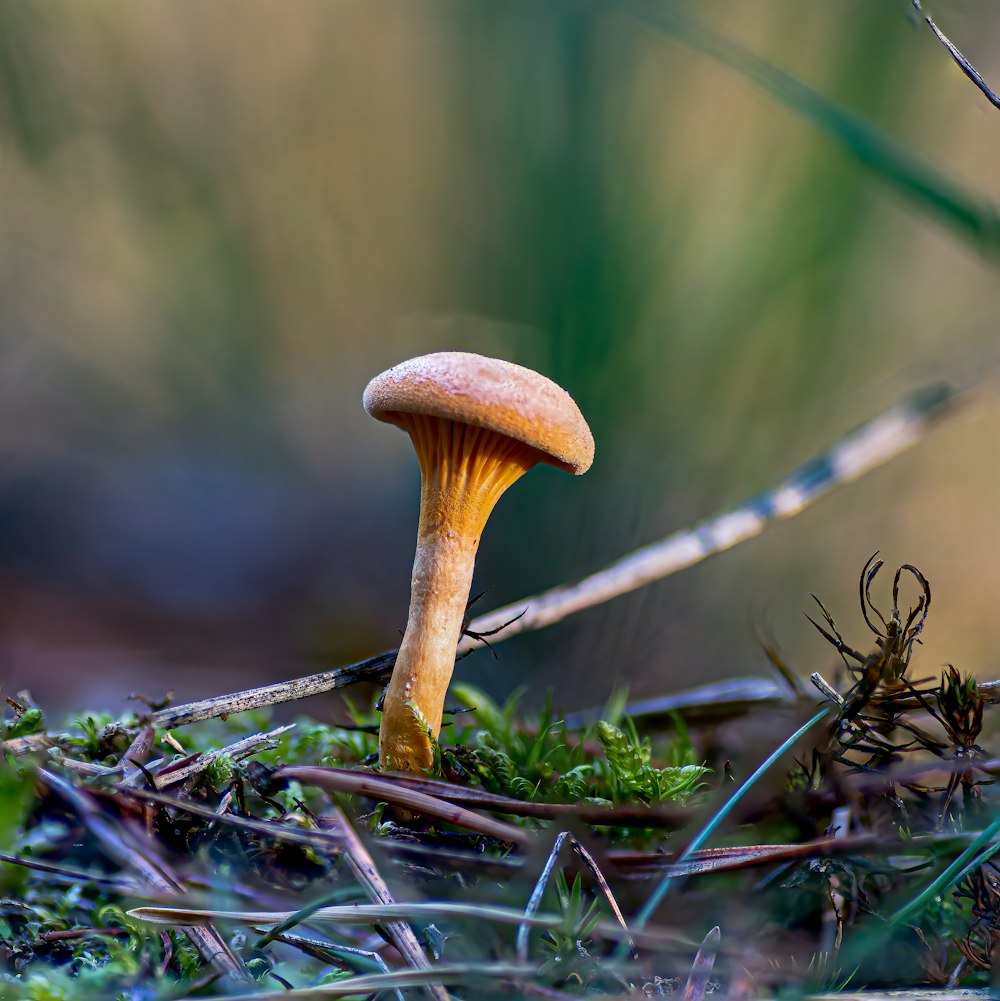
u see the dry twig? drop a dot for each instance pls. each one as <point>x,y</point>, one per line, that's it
<point>364,784</point>
<point>368,914</point>
<point>666,815</point>
<point>963,64</point>
<point>366,872</point>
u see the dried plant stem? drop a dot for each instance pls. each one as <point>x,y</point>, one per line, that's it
<point>872,445</point>
<point>375,983</point>
<point>322,950</point>
<point>431,910</point>
<point>171,775</point>
<point>366,872</point>
<point>595,870</point>
<point>534,902</point>
<point>875,443</point>
<point>17,746</point>
<point>364,784</point>
<point>966,67</point>
<point>377,668</point>
<point>668,815</point>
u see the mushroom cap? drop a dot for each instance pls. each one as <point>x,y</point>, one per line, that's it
<point>488,393</point>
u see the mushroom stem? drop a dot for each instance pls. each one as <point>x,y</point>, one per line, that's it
<point>464,471</point>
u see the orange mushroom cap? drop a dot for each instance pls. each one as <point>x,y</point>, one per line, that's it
<point>489,393</point>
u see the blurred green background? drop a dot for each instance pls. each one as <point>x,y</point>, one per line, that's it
<point>218,221</point>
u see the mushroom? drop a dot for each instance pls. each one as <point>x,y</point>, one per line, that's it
<point>477,424</point>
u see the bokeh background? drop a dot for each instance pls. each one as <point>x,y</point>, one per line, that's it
<point>218,221</point>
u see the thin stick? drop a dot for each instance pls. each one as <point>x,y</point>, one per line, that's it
<point>648,816</point>
<point>17,746</point>
<point>318,840</point>
<point>238,750</point>
<point>366,872</point>
<point>374,669</point>
<point>374,983</point>
<point>828,691</point>
<point>595,871</point>
<point>875,443</point>
<point>431,910</point>
<point>324,951</point>
<point>362,784</point>
<point>120,883</point>
<point>535,900</point>
<point>966,67</point>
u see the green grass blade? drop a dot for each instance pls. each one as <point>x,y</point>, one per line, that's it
<point>656,897</point>
<point>971,858</point>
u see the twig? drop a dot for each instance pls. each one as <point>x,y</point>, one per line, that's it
<point>745,857</point>
<point>713,702</point>
<point>366,872</point>
<point>990,691</point>
<point>875,443</point>
<point>826,689</point>
<point>318,840</point>
<point>83,767</point>
<point>137,755</point>
<point>609,896</point>
<point>833,916</point>
<point>368,914</point>
<point>238,750</point>
<point>374,983</point>
<point>17,746</point>
<point>535,900</point>
<point>325,951</point>
<point>73,933</point>
<point>121,883</point>
<point>667,816</point>
<point>966,67</point>
<point>377,668</point>
<point>362,784</point>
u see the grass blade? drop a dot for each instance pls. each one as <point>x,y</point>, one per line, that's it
<point>656,897</point>
<point>974,219</point>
